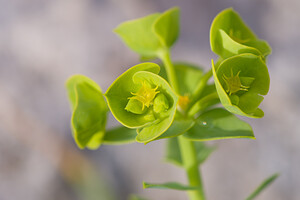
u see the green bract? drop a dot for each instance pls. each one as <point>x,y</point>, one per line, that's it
<point>240,82</point>
<point>141,99</point>
<point>89,111</point>
<point>119,135</point>
<point>230,36</point>
<point>150,35</point>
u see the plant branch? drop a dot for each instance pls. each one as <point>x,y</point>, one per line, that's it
<point>166,59</point>
<point>187,148</point>
<point>189,158</point>
<point>203,103</point>
<point>200,87</point>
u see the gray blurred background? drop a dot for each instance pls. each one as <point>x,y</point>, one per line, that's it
<point>42,43</point>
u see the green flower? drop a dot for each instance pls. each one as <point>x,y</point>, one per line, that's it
<point>230,36</point>
<point>142,100</point>
<point>241,81</point>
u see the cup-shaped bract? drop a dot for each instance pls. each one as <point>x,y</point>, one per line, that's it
<point>230,36</point>
<point>89,111</point>
<point>150,35</point>
<point>241,81</point>
<point>142,100</point>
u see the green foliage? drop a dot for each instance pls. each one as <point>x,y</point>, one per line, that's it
<point>218,124</point>
<point>178,127</point>
<point>150,35</point>
<point>183,112</point>
<point>188,75</point>
<point>169,185</point>
<point>119,135</point>
<point>263,186</point>
<point>166,27</point>
<point>89,111</point>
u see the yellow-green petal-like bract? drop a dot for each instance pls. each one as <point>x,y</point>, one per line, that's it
<point>150,35</point>
<point>230,36</point>
<point>89,111</point>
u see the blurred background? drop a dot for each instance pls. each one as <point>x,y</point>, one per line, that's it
<point>42,43</point>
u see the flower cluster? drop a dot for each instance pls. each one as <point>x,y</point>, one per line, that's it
<point>241,75</point>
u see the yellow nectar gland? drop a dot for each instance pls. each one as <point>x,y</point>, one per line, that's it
<point>145,95</point>
<point>234,84</point>
<point>183,102</point>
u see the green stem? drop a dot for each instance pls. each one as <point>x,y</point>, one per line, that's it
<point>203,103</point>
<point>166,59</point>
<point>187,148</point>
<point>200,87</point>
<point>189,158</point>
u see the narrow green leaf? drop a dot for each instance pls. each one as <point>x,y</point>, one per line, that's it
<point>119,135</point>
<point>89,111</point>
<point>169,185</point>
<point>263,186</point>
<point>218,124</point>
<point>166,26</point>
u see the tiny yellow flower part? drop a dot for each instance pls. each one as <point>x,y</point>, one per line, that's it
<point>234,84</point>
<point>183,102</point>
<point>145,95</point>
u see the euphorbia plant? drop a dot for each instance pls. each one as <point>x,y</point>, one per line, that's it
<point>175,102</point>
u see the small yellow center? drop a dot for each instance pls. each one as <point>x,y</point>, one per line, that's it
<point>145,95</point>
